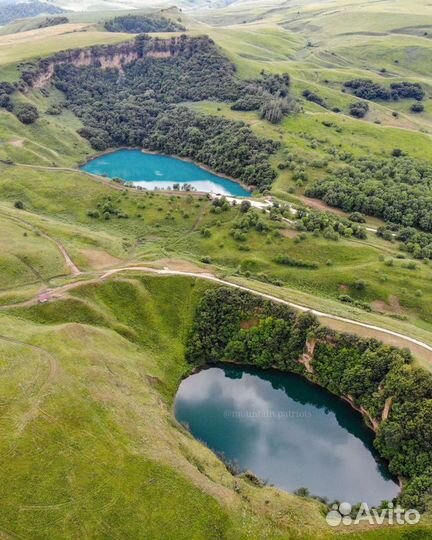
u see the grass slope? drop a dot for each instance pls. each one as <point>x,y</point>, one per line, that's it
<point>86,426</point>
<point>165,229</point>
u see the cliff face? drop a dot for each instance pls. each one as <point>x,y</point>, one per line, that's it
<point>104,57</point>
<point>111,56</point>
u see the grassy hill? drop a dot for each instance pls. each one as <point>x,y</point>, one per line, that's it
<point>93,406</point>
<point>89,444</point>
<point>88,421</point>
<point>401,295</point>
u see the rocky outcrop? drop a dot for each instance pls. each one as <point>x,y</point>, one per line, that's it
<point>374,424</point>
<point>307,356</point>
<point>105,57</point>
<point>387,409</point>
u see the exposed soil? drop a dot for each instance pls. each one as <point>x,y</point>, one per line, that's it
<point>246,325</point>
<point>180,266</point>
<point>289,233</point>
<point>392,306</point>
<point>18,143</point>
<point>321,205</point>
<point>99,260</point>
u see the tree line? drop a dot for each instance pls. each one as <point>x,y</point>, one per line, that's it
<point>370,90</point>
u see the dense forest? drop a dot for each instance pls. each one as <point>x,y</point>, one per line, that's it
<point>141,24</point>
<point>397,189</point>
<point>12,12</point>
<point>396,397</point>
<point>140,105</point>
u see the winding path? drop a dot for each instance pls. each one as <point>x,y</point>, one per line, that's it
<point>59,292</point>
<point>358,327</point>
<point>26,224</point>
<point>211,277</point>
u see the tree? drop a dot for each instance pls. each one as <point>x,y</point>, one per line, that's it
<point>359,109</point>
<point>245,206</point>
<point>357,217</point>
<point>367,89</point>
<point>272,111</point>
<point>417,107</point>
<point>5,102</point>
<point>26,113</point>
<point>141,24</point>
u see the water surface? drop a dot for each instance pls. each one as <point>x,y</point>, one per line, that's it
<point>285,430</point>
<point>155,171</point>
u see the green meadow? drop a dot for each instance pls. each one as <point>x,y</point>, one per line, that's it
<point>90,446</point>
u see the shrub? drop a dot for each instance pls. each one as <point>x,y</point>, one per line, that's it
<point>360,285</point>
<point>314,98</point>
<point>5,102</point>
<point>205,233</point>
<point>272,110</point>
<point>359,109</point>
<point>357,217</point>
<point>406,90</point>
<point>367,89</point>
<point>26,113</point>
<point>289,261</point>
<point>417,107</point>
<point>54,110</point>
<point>245,206</point>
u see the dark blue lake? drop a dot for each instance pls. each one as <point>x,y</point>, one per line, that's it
<point>285,430</point>
<point>155,171</point>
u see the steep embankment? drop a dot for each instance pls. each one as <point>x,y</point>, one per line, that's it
<point>104,57</point>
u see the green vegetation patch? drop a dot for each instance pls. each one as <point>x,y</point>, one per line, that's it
<point>395,189</point>
<point>141,24</point>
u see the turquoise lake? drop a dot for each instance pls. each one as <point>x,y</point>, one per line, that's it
<point>153,171</point>
<point>285,430</point>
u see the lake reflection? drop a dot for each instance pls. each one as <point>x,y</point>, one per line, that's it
<point>154,171</point>
<point>285,430</point>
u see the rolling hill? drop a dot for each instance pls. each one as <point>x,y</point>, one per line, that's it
<point>101,282</point>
